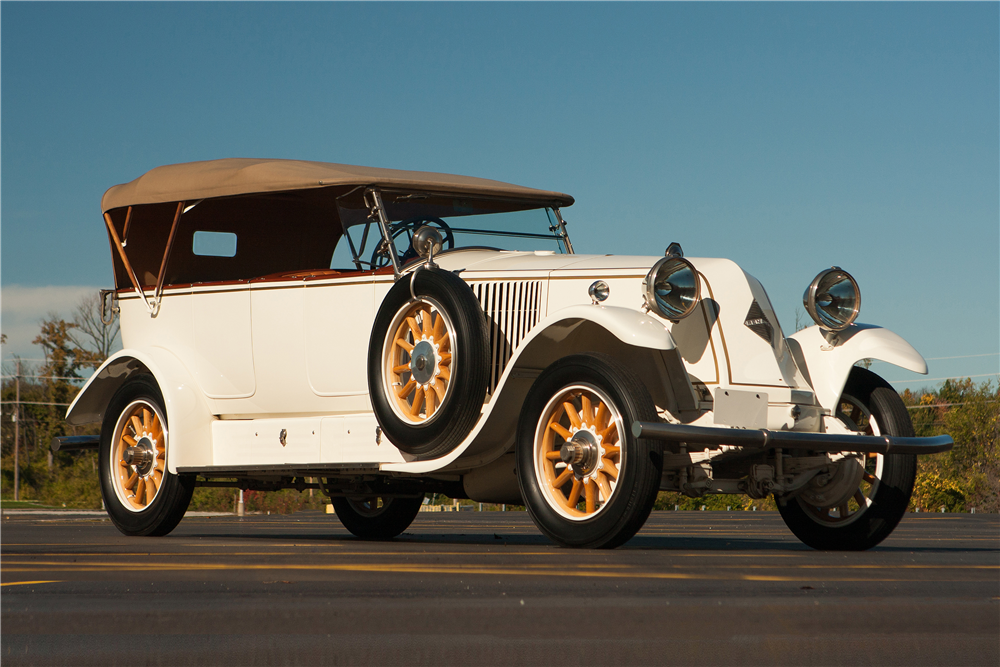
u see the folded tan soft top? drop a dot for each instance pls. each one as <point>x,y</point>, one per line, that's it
<point>239,176</point>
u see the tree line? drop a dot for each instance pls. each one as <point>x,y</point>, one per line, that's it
<point>35,395</point>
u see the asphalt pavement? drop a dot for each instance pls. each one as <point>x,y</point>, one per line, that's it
<point>470,588</point>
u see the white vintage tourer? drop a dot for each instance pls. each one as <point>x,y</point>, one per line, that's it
<point>380,334</point>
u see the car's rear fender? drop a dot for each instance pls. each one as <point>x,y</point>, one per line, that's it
<point>826,358</point>
<point>189,421</point>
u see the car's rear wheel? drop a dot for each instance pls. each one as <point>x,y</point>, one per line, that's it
<point>375,517</point>
<point>586,480</point>
<point>428,362</point>
<point>860,502</point>
<point>141,496</point>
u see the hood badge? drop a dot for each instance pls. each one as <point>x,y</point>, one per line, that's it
<point>757,322</point>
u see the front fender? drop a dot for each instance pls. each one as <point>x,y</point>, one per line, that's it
<point>826,360</point>
<point>579,328</point>
<point>189,420</point>
<point>631,327</point>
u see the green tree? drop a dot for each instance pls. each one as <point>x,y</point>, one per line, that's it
<point>68,478</point>
<point>94,340</point>
<point>63,360</point>
<point>969,474</point>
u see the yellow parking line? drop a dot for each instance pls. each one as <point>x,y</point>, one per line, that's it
<point>402,568</point>
<point>898,567</point>
<point>221,553</point>
<point>24,583</point>
<point>739,566</point>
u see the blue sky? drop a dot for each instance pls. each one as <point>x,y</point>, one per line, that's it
<point>787,137</point>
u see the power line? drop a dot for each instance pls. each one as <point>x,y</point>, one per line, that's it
<point>962,377</point>
<point>942,405</point>
<point>30,403</point>
<point>965,356</point>
<point>41,377</point>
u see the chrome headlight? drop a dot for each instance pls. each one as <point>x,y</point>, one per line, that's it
<point>833,299</point>
<point>671,288</point>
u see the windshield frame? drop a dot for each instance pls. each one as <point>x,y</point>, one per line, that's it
<point>373,199</point>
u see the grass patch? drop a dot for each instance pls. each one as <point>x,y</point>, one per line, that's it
<point>25,505</point>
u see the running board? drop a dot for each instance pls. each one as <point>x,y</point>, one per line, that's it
<point>71,442</point>
<point>762,439</point>
<point>286,469</point>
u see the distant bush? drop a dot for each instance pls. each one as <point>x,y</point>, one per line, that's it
<point>735,503</point>
<point>285,501</point>
<point>968,475</point>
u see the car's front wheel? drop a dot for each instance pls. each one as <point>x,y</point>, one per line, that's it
<point>859,502</point>
<point>141,496</point>
<point>586,480</point>
<point>376,517</point>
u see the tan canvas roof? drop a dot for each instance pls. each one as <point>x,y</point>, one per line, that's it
<point>237,176</point>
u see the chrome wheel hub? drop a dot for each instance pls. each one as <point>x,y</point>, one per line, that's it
<point>141,456</point>
<point>582,452</point>
<point>424,362</point>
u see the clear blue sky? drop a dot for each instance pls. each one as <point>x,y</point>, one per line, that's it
<point>787,137</point>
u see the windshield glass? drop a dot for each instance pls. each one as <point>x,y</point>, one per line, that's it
<point>463,222</point>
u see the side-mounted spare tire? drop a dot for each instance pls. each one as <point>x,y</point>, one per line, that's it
<point>428,362</point>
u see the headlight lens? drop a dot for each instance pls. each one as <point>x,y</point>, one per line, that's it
<point>671,288</point>
<point>833,299</point>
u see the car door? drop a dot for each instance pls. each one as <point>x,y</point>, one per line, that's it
<point>221,337</point>
<point>337,319</point>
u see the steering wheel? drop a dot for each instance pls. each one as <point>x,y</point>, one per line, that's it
<point>380,257</point>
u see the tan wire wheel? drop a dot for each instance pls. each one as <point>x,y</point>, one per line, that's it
<point>418,361</point>
<point>578,453</point>
<point>868,467</point>
<point>138,454</point>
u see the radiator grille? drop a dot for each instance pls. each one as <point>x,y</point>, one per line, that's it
<point>512,308</point>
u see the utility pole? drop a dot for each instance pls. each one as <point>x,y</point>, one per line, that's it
<point>17,428</point>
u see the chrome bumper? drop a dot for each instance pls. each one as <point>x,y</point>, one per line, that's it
<point>763,439</point>
<point>68,442</point>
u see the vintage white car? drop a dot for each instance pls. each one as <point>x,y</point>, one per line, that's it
<point>380,334</point>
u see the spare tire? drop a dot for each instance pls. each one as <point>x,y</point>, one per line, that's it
<point>428,362</point>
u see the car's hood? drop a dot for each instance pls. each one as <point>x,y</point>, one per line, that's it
<point>491,260</point>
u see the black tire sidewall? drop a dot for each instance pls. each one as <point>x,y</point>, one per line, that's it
<point>892,497</point>
<point>396,516</point>
<point>462,407</point>
<point>639,477</point>
<point>170,503</point>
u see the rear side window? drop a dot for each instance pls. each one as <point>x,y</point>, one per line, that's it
<point>214,244</point>
<point>230,238</point>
